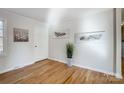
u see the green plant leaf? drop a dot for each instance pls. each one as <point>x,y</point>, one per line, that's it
<point>69,50</point>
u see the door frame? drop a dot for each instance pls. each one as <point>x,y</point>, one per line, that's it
<point>117,41</point>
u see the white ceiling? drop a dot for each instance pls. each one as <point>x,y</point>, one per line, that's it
<point>43,14</point>
<point>34,13</point>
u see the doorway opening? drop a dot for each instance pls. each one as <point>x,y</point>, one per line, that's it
<point>122,40</point>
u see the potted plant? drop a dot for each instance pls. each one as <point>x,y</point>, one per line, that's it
<point>69,52</point>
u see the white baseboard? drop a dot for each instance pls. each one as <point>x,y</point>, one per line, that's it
<point>119,76</point>
<point>7,70</point>
<point>17,67</point>
<point>97,70</point>
<point>14,68</point>
<point>94,69</point>
<point>57,60</point>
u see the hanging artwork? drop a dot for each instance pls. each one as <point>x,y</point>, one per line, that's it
<point>21,35</point>
<point>60,34</point>
<point>88,36</point>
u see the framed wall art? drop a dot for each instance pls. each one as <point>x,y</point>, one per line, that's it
<point>20,35</point>
<point>60,34</point>
<point>88,36</point>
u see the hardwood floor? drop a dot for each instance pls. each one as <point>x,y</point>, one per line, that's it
<point>52,72</point>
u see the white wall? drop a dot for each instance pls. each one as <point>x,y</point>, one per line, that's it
<point>40,33</point>
<point>95,55</point>
<point>20,54</point>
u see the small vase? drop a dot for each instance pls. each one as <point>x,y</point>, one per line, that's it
<point>69,62</point>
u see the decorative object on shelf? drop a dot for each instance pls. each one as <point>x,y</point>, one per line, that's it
<point>69,53</point>
<point>87,36</point>
<point>20,35</point>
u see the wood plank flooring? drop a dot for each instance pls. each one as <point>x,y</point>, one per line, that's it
<point>52,72</point>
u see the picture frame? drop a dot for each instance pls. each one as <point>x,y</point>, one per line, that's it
<point>60,34</point>
<point>21,35</point>
<point>88,36</point>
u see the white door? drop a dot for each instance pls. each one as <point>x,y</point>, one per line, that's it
<point>40,42</point>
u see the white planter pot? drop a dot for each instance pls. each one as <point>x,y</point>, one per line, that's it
<point>69,62</point>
